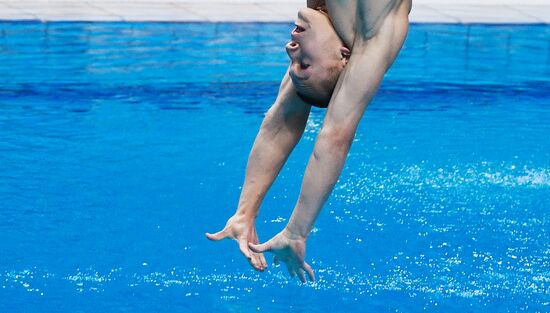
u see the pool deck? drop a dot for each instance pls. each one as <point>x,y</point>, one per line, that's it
<point>424,11</point>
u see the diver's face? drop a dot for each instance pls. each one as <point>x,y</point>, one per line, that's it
<point>315,50</point>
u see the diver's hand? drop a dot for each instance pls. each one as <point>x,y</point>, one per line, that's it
<point>289,248</point>
<point>242,230</point>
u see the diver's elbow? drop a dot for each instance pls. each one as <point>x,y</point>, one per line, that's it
<point>335,140</point>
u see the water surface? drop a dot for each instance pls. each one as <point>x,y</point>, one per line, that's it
<point>122,143</point>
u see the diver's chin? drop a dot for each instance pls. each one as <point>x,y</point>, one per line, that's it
<point>303,14</point>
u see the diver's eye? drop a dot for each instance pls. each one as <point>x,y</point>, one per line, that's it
<point>304,66</point>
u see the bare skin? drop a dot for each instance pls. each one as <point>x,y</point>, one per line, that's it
<point>374,30</point>
<point>281,130</point>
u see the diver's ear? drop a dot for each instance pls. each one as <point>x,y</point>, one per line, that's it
<point>346,53</point>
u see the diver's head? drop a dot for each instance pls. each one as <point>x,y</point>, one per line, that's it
<point>317,56</point>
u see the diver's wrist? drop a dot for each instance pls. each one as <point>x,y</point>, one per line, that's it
<point>246,213</point>
<point>296,232</point>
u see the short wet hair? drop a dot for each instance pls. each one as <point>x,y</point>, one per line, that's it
<point>328,85</point>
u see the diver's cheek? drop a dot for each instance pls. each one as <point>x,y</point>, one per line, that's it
<point>295,66</point>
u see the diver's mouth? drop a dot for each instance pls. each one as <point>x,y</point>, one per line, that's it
<point>298,29</point>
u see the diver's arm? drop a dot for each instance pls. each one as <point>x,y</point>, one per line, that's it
<point>355,88</point>
<point>279,133</point>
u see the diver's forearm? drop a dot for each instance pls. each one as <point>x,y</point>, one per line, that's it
<point>322,172</point>
<point>281,130</point>
<point>270,151</point>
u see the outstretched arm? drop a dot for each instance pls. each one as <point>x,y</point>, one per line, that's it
<point>279,133</point>
<point>356,87</point>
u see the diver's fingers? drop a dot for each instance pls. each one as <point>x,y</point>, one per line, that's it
<point>261,247</point>
<point>275,260</point>
<point>245,251</point>
<point>222,234</point>
<point>263,262</point>
<point>252,258</point>
<point>301,275</point>
<point>256,263</point>
<point>291,271</point>
<point>309,272</point>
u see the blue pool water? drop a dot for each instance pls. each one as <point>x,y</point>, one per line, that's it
<point>122,143</point>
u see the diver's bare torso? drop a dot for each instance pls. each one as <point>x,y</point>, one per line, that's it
<point>352,18</point>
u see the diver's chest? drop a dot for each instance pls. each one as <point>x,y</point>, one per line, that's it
<point>343,14</point>
<point>352,17</point>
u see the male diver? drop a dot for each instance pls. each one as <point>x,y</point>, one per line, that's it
<point>340,51</point>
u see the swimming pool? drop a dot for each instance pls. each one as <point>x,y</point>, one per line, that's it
<point>122,143</point>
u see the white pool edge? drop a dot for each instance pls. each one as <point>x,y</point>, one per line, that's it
<point>424,11</point>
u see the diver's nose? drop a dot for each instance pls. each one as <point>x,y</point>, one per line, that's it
<point>292,47</point>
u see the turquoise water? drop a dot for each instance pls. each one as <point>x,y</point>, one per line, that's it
<point>122,143</point>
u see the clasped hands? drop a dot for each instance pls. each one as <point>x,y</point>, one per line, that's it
<point>286,246</point>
